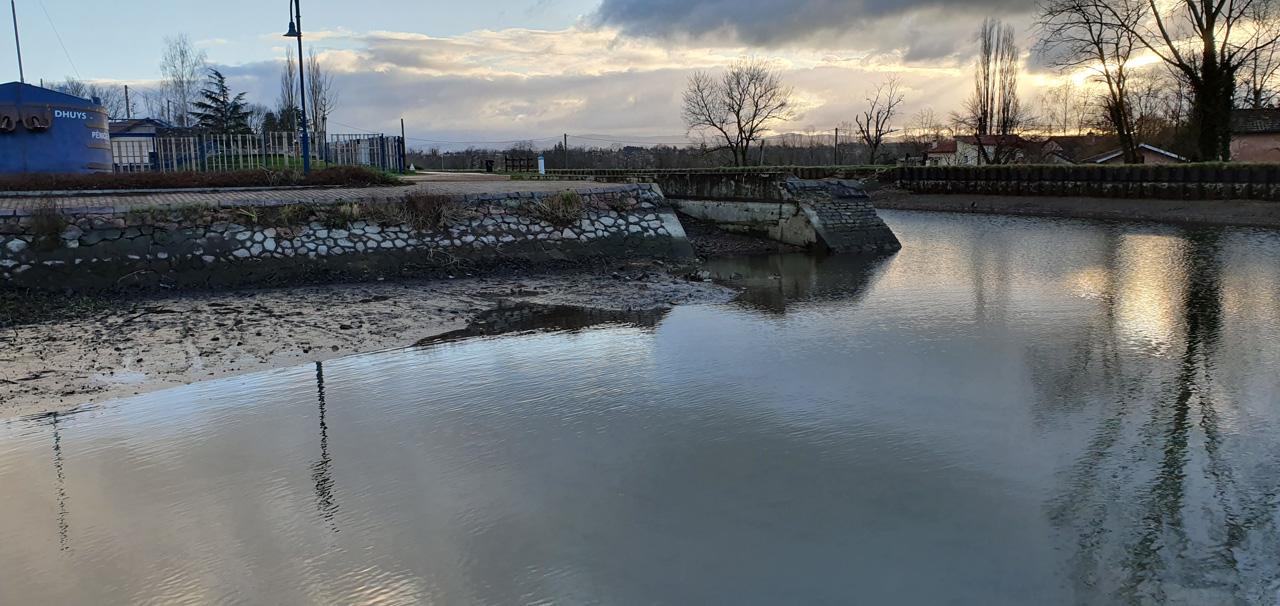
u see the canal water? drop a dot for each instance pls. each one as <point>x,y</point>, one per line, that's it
<point>1009,411</point>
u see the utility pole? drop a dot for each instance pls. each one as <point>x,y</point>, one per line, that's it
<point>837,147</point>
<point>404,150</point>
<point>13,6</point>
<point>566,151</point>
<point>128,109</point>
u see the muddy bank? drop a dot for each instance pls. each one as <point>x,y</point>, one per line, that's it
<point>125,347</point>
<point>1241,213</point>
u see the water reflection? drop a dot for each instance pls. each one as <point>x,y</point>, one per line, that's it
<point>770,282</point>
<point>1006,412</point>
<point>321,470</point>
<point>518,317</point>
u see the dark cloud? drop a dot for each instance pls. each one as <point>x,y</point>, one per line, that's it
<point>925,29</point>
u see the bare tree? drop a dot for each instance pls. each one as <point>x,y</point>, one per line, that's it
<point>1067,108</point>
<point>1257,74</point>
<point>321,96</point>
<point>923,130</point>
<point>875,122</point>
<point>287,104</point>
<point>111,96</point>
<point>1209,43</point>
<point>257,116</point>
<point>1101,37</point>
<point>994,115</point>
<point>737,108</point>
<point>182,69</point>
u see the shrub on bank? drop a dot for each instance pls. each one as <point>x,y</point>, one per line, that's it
<point>346,176</point>
<point>563,210</point>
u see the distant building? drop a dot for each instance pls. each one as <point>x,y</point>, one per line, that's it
<point>942,153</point>
<point>1150,155</point>
<point>1075,149</point>
<point>133,142</point>
<point>1255,135</point>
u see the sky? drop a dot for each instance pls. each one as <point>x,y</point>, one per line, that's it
<point>510,70</point>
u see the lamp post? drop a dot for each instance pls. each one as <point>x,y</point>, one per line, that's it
<point>296,32</point>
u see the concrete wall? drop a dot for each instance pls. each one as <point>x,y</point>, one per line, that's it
<point>823,215</point>
<point>779,221</point>
<point>739,187</point>
<point>103,248</point>
<point>1255,148</point>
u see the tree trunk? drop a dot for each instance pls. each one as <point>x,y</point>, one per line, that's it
<point>1124,131</point>
<point>1214,100</point>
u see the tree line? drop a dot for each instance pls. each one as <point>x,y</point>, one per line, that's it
<point>193,95</point>
<point>1166,72</point>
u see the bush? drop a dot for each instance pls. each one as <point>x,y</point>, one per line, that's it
<point>48,227</point>
<point>563,210</point>
<point>347,176</point>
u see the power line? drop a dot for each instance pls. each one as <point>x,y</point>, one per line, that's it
<point>363,130</point>
<point>59,37</point>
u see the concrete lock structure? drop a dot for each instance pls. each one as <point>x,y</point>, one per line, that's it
<point>45,131</point>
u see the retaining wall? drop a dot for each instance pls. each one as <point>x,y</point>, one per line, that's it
<point>106,247</point>
<point>1151,181</point>
<point>825,215</point>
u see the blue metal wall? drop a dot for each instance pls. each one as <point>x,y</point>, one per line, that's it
<point>44,131</point>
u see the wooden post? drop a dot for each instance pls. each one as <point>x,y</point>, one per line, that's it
<point>403,149</point>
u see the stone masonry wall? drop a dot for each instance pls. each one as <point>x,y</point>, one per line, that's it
<point>843,216</point>
<point>106,248</point>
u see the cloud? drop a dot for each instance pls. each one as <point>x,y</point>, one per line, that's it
<point>522,84</point>
<point>921,29</point>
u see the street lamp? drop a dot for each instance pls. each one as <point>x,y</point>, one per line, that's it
<point>296,32</point>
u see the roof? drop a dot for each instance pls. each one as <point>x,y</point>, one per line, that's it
<point>992,140</point>
<point>943,147</point>
<point>1119,152</point>
<point>29,94</point>
<point>121,127</point>
<point>1078,147</point>
<point>1255,121</point>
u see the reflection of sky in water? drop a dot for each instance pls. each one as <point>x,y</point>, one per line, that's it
<point>1009,411</point>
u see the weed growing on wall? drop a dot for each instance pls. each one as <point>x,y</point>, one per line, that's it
<point>562,210</point>
<point>48,226</point>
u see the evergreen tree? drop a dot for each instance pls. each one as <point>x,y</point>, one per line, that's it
<point>270,123</point>
<point>289,117</point>
<point>217,111</point>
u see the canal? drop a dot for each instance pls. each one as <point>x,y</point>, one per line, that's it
<point>1008,411</point>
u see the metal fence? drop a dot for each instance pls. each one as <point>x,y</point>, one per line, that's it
<point>219,153</point>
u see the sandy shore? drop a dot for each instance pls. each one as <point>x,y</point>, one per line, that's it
<point>156,343</point>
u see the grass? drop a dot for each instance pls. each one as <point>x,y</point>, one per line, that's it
<point>48,227</point>
<point>562,210</point>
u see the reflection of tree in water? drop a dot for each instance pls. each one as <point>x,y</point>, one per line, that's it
<point>321,470</point>
<point>1157,507</point>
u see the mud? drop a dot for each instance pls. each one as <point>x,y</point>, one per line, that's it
<point>145,344</point>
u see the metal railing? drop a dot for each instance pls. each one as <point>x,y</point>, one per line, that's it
<point>221,153</point>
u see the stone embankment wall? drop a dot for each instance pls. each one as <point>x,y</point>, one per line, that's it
<point>826,215</point>
<point>105,248</point>
<point>1182,181</point>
